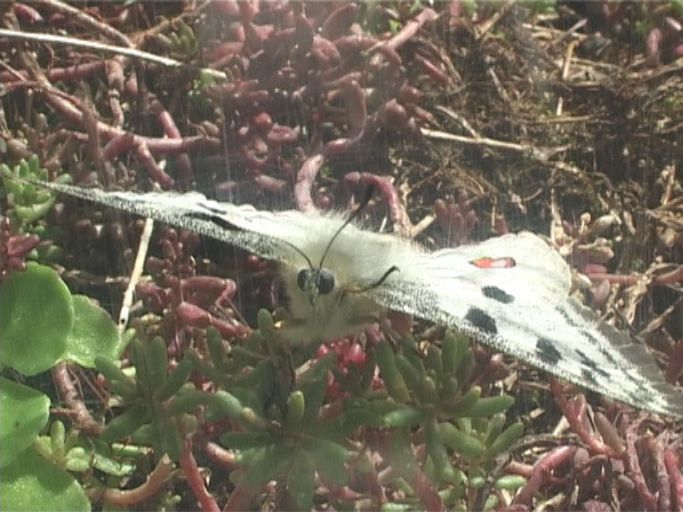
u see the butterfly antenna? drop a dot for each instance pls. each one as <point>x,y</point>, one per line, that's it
<point>377,283</point>
<point>364,202</point>
<point>299,251</point>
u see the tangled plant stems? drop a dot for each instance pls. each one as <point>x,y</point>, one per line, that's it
<point>14,248</point>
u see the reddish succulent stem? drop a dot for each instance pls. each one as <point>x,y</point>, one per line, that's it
<point>635,472</point>
<point>542,472</point>
<point>130,497</point>
<point>77,72</point>
<point>73,400</point>
<point>194,478</point>
<point>675,366</point>
<point>573,415</point>
<point>673,468</point>
<point>153,169</point>
<point>663,480</point>
<point>84,19</point>
<point>171,130</point>
<point>673,277</point>
<point>220,456</point>
<point>304,182</point>
<point>396,210</point>
<point>410,29</point>
<point>27,13</point>
<point>426,491</point>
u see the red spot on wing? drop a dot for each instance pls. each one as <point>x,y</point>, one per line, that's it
<point>494,262</point>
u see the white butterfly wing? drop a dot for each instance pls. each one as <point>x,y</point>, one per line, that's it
<point>259,232</point>
<point>521,309</point>
<point>524,310</point>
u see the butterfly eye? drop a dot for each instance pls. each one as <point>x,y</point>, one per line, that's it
<point>304,278</point>
<point>325,281</point>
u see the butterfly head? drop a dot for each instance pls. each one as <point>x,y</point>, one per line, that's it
<point>314,282</point>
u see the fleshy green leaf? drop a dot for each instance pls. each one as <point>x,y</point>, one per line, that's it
<point>36,316</point>
<point>301,481</point>
<point>24,414</point>
<point>34,483</point>
<point>94,333</point>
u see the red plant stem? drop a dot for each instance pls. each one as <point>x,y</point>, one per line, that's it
<point>195,316</point>
<point>675,366</point>
<point>156,146</point>
<point>673,277</point>
<point>635,472</point>
<point>356,108</point>
<point>115,80</point>
<point>171,130</point>
<point>426,492</point>
<point>663,481</point>
<point>118,145</point>
<point>339,21</point>
<point>27,13</point>
<point>194,478</point>
<point>70,395</point>
<point>526,470</point>
<point>84,19</point>
<point>154,483</point>
<point>572,415</point>
<point>221,456</point>
<point>542,472</point>
<point>77,72</point>
<point>304,182</point>
<point>153,168</point>
<point>673,467</point>
<point>396,210</point>
<point>432,70</point>
<point>411,28</point>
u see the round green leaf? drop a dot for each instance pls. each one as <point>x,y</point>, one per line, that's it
<point>24,414</point>
<point>34,483</point>
<point>36,316</point>
<point>94,333</point>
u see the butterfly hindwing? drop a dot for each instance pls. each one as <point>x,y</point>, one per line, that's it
<point>524,310</point>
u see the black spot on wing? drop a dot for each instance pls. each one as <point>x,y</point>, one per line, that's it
<point>589,363</point>
<point>596,343</point>
<point>567,317</point>
<point>495,293</point>
<point>216,220</point>
<point>482,320</point>
<point>546,351</point>
<point>589,376</point>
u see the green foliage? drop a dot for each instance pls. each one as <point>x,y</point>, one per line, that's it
<point>182,42</point>
<point>41,324</point>
<point>25,412</point>
<point>93,333</point>
<point>31,480</point>
<point>431,392</point>
<point>29,203</point>
<point>36,318</point>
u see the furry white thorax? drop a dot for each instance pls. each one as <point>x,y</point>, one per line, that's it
<point>356,259</point>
